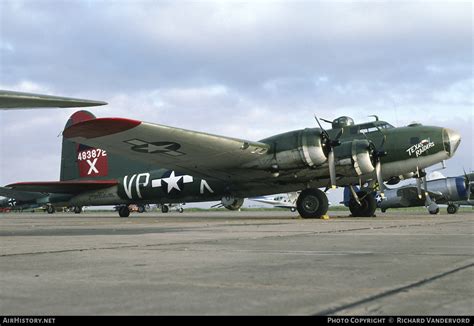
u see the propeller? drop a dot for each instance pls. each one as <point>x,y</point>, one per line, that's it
<point>377,154</point>
<point>427,195</point>
<point>467,183</point>
<point>421,177</point>
<point>330,143</point>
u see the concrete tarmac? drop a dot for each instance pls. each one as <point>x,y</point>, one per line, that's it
<point>236,263</point>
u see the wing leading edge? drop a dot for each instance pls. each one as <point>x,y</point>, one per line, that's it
<point>20,100</point>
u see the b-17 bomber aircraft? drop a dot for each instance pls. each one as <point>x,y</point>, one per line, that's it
<point>118,161</point>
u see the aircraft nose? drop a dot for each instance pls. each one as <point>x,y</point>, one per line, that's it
<point>452,140</point>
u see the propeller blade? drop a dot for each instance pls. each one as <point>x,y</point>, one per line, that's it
<point>418,187</point>
<point>332,169</point>
<point>427,195</point>
<point>378,172</point>
<point>354,195</point>
<point>321,127</point>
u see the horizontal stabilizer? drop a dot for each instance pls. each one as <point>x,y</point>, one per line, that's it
<point>63,187</point>
<point>20,100</point>
<point>197,153</point>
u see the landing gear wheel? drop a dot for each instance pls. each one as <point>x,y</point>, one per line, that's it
<point>436,211</point>
<point>124,211</point>
<point>312,203</point>
<point>367,206</point>
<point>50,209</point>
<point>452,209</point>
<point>293,209</point>
<point>165,209</point>
<point>77,209</point>
<point>181,210</point>
<point>141,209</point>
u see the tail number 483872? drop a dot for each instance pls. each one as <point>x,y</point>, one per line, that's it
<point>92,162</point>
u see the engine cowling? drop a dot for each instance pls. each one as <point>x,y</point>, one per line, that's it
<point>296,149</point>
<point>355,156</point>
<point>232,203</point>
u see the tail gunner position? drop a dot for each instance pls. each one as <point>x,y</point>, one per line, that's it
<point>116,161</point>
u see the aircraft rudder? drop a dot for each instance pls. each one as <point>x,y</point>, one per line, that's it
<point>79,161</point>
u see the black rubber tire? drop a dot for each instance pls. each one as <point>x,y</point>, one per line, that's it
<point>367,207</point>
<point>312,203</point>
<point>77,209</point>
<point>50,209</point>
<point>165,209</point>
<point>452,209</point>
<point>124,211</point>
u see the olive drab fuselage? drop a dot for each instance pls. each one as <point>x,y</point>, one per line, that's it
<point>295,160</point>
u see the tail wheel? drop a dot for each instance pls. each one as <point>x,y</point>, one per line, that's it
<point>124,211</point>
<point>367,206</point>
<point>50,209</point>
<point>312,203</point>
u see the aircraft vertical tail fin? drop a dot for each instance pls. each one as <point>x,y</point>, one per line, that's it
<point>347,196</point>
<point>79,161</point>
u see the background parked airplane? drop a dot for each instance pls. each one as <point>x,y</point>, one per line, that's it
<point>452,191</point>
<point>287,200</point>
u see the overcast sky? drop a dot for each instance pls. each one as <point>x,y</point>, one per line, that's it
<point>243,69</point>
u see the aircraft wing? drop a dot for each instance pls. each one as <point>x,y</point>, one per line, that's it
<point>62,187</point>
<point>411,193</point>
<point>20,195</point>
<point>193,152</point>
<point>20,100</point>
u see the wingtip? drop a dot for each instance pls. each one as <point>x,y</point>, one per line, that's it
<point>19,100</point>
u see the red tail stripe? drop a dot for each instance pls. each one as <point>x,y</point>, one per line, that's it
<point>99,127</point>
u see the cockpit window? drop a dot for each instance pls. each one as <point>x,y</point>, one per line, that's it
<point>386,125</point>
<point>368,129</point>
<point>372,128</point>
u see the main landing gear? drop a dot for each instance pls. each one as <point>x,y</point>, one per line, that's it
<point>364,206</point>
<point>312,203</point>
